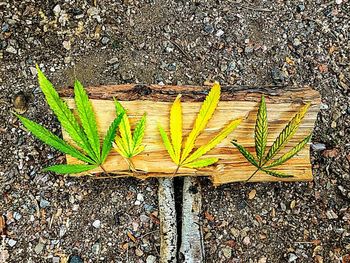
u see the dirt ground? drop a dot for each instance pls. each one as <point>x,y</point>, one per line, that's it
<point>254,43</point>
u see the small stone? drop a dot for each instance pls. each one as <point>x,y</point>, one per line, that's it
<point>208,28</point>
<point>44,203</point>
<point>338,2</point>
<point>227,251</point>
<point>33,71</point>
<point>151,259</point>
<point>262,260</point>
<point>17,216</point>
<point>324,106</point>
<point>96,248</point>
<point>138,252</point>
<point>11,49</point>
<point>5,27</point>
<point>235,232</point>
<point>39,248</point>
<point>283,206</point>
<point>92,11</point>
<point>105,40</point>
<point>301,7</point>
<point>11,242</point>
<point>75,259</point>
<point>96,224</point>
<point>248,50</point>
<point>331,214</point>
<point>296,42</point>
<point>172,67</point>
<point>66,45</point>
<point>112,61</point>
<point>334,124</point>
<point>292,204</point>
<point>252,194</point>
<point>55,260</point>
<point>57,10</point>
<point>292,257</point>
<point>140,197</point>
<point>219,33</point>
<point>318,146</point>
<point>246,241</point>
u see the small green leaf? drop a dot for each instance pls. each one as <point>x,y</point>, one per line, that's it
<point>289,154</point>
<point>277,174</point>
<point>87,118</point>
<point>261,130</point>
<point>49,138</point>
<point>246,154</point>
<point>199,163</point>
<point>69,168</point>
<point>287,133</point>
<point>110,136</point>
<point>167,143</point>
<point>139,133</point>
<point>63,113</point>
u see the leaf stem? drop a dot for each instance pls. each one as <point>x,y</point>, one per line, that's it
<point>250,177</point>
<point>104,170</point>
<point>177,169</point>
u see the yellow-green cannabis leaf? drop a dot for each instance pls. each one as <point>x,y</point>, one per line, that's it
<point>85,135</point>
<point>129,144</point>
<point>183,154</point>
<point>265,162</point>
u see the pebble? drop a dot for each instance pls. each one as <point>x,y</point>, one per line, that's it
<point>44,203</point>
<point>296,42</point>
<point>66,45</point>
<point>324,106</point>
<point>235,232</point>
<point>55,260</point>
<point>331,214</point>
<point>96,248</point>
<point>219,33</point>
<point>11,242</point>
<point>105,40</point>
<point>262,260</point>
<point>208,28</point>
<point>112,61</point>
<point>318,146</point>
<point>11,49</point>
<point>57,10</point>
<point>246,241</point>
<point>151,259</point>
<point>227,251</point>
<point>39,248</point>
<point>292,257</point>
<point>17,216</point>
<point>5,27</point>
<point>138,252</point>
<point>96,224</point>
<point>33,71</point>
<point>140,197</point>
<point>75,259</point>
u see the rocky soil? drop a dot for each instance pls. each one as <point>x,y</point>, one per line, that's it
<point>255,43</point>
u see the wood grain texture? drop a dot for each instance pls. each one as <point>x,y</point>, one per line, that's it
<point>235,102</point>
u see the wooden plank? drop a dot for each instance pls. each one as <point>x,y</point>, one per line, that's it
<point>235,102</point>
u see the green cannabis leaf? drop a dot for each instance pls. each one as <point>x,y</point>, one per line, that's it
<point>262,161</point>
<point>85,135</point>
<point>182,154</point>
<point>127,144</point>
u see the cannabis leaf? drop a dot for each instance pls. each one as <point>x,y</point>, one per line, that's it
<point>85,135</point>
<point>127,144</point>
<point>185,155</point>
<point>262,161</point>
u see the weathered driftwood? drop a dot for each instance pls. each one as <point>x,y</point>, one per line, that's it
<point>282,104</point>
<point>192,247</point>
<point>167,216</point>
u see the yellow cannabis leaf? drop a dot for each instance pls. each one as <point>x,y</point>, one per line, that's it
<point>183,156</point>
<point>128,144</point>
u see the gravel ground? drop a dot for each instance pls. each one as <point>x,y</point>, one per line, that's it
<point>179,42</point>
